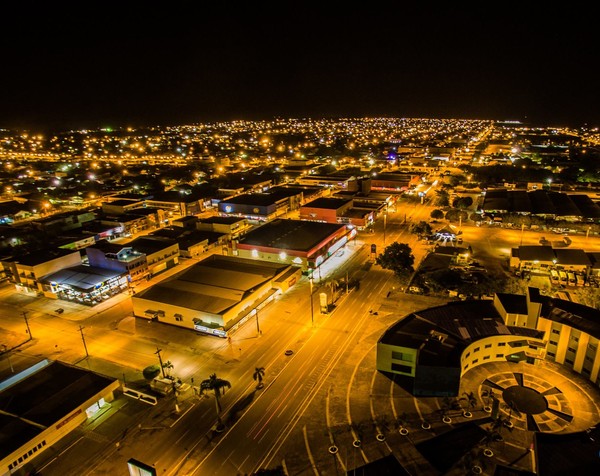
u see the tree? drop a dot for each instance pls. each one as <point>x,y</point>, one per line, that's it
<point>258,375</point>
<point>421,228</point>
<point>151,372</point>
<point>217,385</point>
<point>462,202</point>
<point>168,366</point>
<point>443,198</point>
<point>456,215</point>
<point>398,258</point>
<point>437,214</point>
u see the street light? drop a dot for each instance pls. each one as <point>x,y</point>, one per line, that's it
<point>522,228</point>
<point>257,327</point>
<point>312,312</point>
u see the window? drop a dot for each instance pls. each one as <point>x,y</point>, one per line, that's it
<point>501,344</point>
<point>555,331</point>
<point>486,357</point>
<point>468,353</point>
<point>551,354</point>
<point>586,372</point>
<point>571,349</point>
<point>476,349</point>
<point>402,356</point>
<point>553,342</point>
<point>589,359</point>
<point>178,317</point>
<point>475,361</point>
<point>488,346</point>
<point>402,368</point>
<point>569,361</point>
<point>499,356</point>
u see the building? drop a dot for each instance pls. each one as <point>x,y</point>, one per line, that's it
<point>84,284</point>
<point>119,258</point>
<point>232,226</point>
<point>179,203</point>
<point>192,243</point>
<point>27,271</point>
<point>216,295</point>
<point>532,257</point>
<point>302,243</point>
<point>161,253</point>
<point>543,258</point>
<point>573,207</point>
<point>43,404</point>
<point>430,350</point>
<point>395,181</point>
<point>264,206</point>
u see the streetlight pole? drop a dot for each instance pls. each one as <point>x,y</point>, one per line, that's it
<point>522,228</point>
<point>83,339</point>
<point>256,314</point>
<point>27,324</point>
<point>312,312</point>
<point>384,225</point>
<point>162,368</point>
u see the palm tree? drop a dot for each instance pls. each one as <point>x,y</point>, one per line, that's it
<point>217,385</point>
<point>169,367</point>
<point>470,397</point>
<point>258,375</point>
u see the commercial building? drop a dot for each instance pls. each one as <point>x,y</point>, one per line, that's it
<point>27,271</point>
<point>141,258</point>
<point>84,284</point>
<point>262,207</point>
<point>337,210</point>
<point>43,404</point>
<point>542,203</point>
<point>216,295</point>
<point>543,258</point>
<point>302,243</point>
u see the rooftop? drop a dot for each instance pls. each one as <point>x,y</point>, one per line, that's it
<point>297,235</point>
<point>328,203</point>
<point>215,284</point>
<point>82,277</point>
<point>42,398</point>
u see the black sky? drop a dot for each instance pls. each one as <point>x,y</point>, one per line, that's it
<point>182,63</point>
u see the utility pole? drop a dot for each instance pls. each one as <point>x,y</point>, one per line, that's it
<point>522,228</point>
<point>27,324</point>
<point>312,312</point>
<point>346,282</point>
<point>162,369</point>
<point>257,327</point>
<point>83,339</point>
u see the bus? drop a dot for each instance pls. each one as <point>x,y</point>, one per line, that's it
<point>572,280</point>
<point>554,276</point>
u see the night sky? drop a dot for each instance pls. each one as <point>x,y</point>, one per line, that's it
<point>177,63</point>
